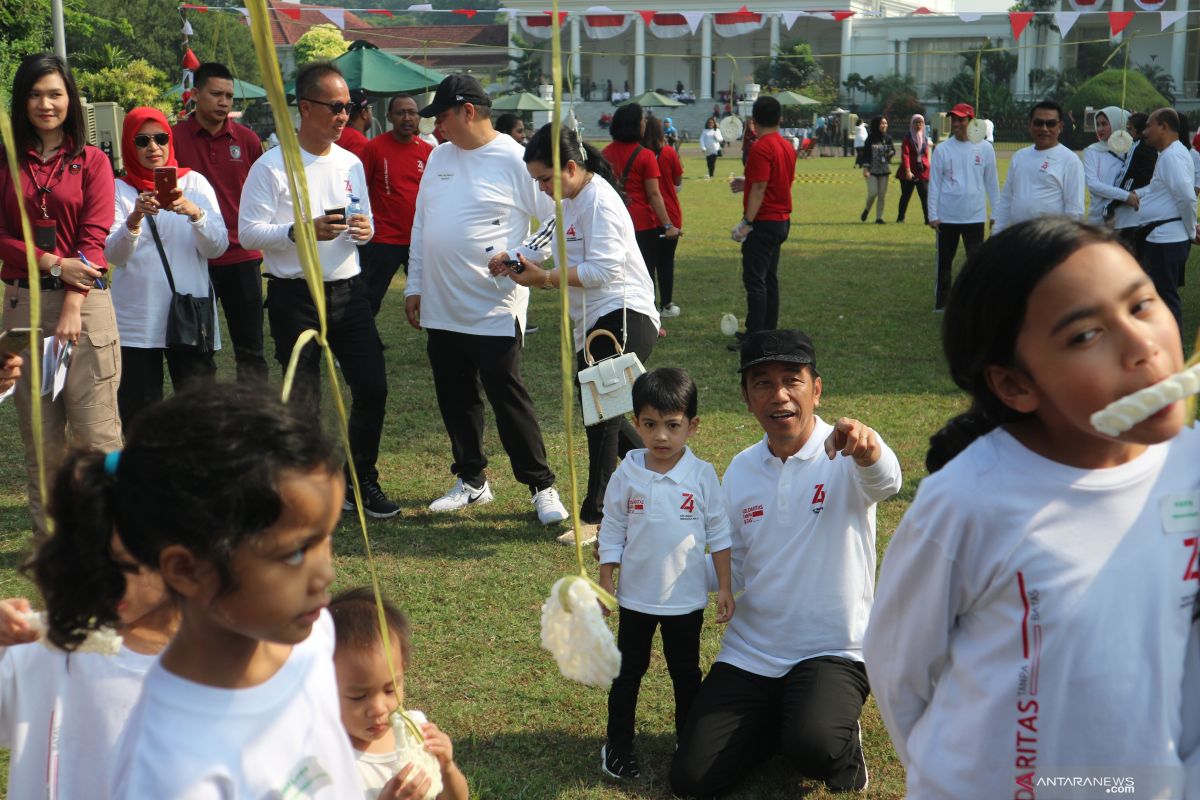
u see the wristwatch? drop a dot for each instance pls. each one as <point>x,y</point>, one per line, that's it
<point>56,268</point>
<point>549,282</point>
<point>292,233</point>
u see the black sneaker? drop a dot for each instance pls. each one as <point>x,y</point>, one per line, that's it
<point>854,776</point>
<point>377,504</point>
<point>619,765</point>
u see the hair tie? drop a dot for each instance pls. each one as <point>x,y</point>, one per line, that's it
<point>111,460</point>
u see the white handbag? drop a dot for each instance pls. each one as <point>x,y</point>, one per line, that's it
<point>606,386</point>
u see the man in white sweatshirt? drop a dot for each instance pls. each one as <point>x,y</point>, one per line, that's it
<point>1167,209</point>
<point>1045,178</point>
<point>962,181</point>
<point>476,199</point>
<point>790,678</point>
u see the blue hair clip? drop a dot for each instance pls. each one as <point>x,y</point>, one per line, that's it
<point>110,462</point>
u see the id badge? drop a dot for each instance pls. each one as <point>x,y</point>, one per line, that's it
<point>45,234</point>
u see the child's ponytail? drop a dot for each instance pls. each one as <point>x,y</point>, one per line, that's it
<point>80,580</point>
<point>984,316</point>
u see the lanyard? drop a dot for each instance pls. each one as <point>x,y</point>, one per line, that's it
<point>43,189</point>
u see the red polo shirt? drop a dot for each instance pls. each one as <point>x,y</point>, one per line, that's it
<point>644,168</point>
<point>670,175</point>
<point>773,160</point>
<point>394,173</point>
<point>79,197</point>
<point>225,160</point>
<point>355,141</point>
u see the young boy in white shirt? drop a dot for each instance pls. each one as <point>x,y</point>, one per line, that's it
<point>662,508</point>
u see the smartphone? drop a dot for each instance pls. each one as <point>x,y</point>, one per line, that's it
<point>15,341</point>
<point>339,210</point>
<point>164,185</point>
<point>515,266</point>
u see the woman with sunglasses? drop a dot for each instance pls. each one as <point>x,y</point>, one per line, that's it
<point>191,231</point>
<point>66,189</point>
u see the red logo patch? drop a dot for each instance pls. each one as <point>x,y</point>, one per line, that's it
<point>689,503</point>
<point>635,506</point>
<point>751,513</point>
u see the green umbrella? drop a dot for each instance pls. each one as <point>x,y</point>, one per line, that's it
<point>788,98</point>
<point>367,67</point>
<point>653,100</point>
<point>522,101</point>
<point>241,90</point>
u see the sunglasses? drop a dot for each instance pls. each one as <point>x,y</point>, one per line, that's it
<point>142,140</point>
<point>1043,123</point>
<point>336,108</point>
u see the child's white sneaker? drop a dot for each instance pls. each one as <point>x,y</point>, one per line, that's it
<point>462,495</point>
<point>550,509</point>
<point>588,530</point>
<point>670,310</point>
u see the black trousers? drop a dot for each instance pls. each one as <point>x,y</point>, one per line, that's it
<point>1164,262</point>
<point>906,190</point>
<point>462,363</point>
<point>948,234</point>
<point>239,290</point>
<point>760,273</point>
<point>142,376</point>
<point>681,647</point>
<point>355,343</point>
<point>613,438</point>
<point>712,163</point>
<point>739,719</point>
<point>380,262</point>
<point>659,254</point>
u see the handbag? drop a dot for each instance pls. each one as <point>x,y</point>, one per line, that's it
<point>606,386</point>
<point>190,319</point>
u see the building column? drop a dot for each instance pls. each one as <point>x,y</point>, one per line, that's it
<point>576,57</point>
<point>1179,50</point>
<point>514,52</point>
<point>1118,5</point>
<point>706,62</point>
<point>1022,90</point>
<point>639,55</point>
<point>847,59</point>
<point>902,57</point>
<point>773,49</point>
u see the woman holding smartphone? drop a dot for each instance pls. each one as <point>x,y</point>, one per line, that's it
<point>188,223</point>
<point>610,287</point>
<point>66,188</point>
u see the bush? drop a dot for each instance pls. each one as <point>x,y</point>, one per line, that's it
<point>1105,90</point>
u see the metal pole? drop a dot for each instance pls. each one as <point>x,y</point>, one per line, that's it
<point>60,33</point>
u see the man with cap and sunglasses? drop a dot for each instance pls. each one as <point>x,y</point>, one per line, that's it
<point>355,135</point>
<point>962,181</point>
<point>1044,178</point>
<point>790,676</point>
<point>476,199</point>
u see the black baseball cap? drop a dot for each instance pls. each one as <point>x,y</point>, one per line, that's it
<point>785,345</point>
<point>454,91</point>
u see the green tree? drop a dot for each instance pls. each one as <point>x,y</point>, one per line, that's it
<point>791,68</point>
<point>526,74</point>
<point>320,42</point>
<point>1160,79</point>
<point>25,29</point>
<point>1105,90</point>
<point>134,83</point>
<point>996,70</point>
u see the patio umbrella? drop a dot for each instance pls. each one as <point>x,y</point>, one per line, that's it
<point>242,90</point>
<point>522,101</point>
<point>788,98</point>
<point>653,100</point>
<point>367,67</point>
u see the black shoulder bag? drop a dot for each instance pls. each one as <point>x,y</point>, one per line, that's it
<point>625,173</point>
<point>190,319</point>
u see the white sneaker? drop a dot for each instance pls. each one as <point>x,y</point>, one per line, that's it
<point>550,509</point>
<point>461,495</point>
<point>589,536</point>
<point>670,310</point>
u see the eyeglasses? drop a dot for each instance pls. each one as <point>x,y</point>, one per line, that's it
<point>142,140</point>
<point>406,112</point>
<point>336,108</point>
<point>1038,122</point>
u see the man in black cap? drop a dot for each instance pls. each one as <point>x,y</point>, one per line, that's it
<point>790,677</point>
<point>476,199</point>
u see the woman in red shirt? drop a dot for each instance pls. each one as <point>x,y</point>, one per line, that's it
<point>914,166</point>
<point>66,187</point>
<point>670,181</point>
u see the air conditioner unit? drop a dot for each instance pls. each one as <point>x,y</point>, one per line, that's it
<point>104,123</point>
<point>1089,119</point>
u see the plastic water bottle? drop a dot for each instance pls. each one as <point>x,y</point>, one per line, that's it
<point>352,208</point>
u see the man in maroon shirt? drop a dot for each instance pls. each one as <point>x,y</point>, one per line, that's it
<point>222,150</point>
<point>394,163</point>
<point>767,204</point>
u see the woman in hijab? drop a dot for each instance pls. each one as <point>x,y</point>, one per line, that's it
<point>914,167</point>
<point>1102,166</point>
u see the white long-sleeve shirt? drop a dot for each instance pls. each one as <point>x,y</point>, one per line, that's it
<point>1171,194</point>
<point>657,526</point>
<point>962,181</point>
<point>1101,168</point>
<point>1031,622</point>
<point>711,141</point>
<point>804,551</point>
<point>471,205</point>
<point>602,248</point>
<point>1041,182</point>
<point>141,295</point>
<point>266,211</point>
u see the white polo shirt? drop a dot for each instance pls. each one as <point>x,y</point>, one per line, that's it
<point>804,551</point>
<point>657,526</point>
<point>1041,182</point>
<point>1171,194</point>
<point>962,181</point>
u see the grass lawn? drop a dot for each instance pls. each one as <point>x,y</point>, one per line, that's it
<point>473,583</point>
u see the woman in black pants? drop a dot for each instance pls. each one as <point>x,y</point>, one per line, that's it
<point>610,287</point>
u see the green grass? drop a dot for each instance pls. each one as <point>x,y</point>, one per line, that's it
<point>473,583</point>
